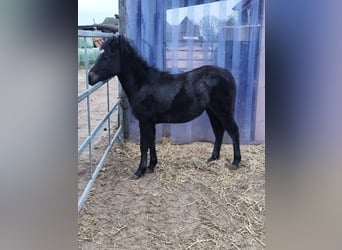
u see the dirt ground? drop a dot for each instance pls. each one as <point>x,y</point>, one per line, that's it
<point>185,204</point>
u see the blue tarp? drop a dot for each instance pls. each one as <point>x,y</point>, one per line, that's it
<point>173,38</point>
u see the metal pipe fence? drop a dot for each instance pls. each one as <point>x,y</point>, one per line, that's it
<point>88,141</point>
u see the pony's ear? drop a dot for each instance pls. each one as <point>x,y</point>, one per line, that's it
<point>114,43</point>
<point>122,44</point>
<point>121,39</point>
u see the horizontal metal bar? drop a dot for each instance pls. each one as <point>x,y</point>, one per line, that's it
<point>99,27</point>
<point>98,168</point>
<point>97,128</point>
<point>91,33</point>
<point>89,91</point>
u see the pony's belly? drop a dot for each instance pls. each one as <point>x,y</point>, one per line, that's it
<point>181,117</point>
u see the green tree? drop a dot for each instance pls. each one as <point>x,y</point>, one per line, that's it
<point>231,21</point>
<point>209,28</point>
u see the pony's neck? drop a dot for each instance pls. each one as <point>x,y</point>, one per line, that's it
<point>128,83</point>
<point>135,72</point>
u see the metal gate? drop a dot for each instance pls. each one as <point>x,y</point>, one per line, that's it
<point>110,125</point>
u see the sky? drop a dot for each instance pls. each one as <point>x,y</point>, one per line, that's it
<point>100,9</point>
<point>97,9</point>
<point>220,9</point>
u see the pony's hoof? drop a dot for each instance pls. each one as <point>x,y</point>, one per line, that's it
<point>234,166</point>
<point>135,177</point>
<point>138,174</point>
<point>149,170</point>
<point>212,159</point>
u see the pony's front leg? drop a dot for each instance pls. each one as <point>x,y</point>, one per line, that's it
<point>146,135</point>
<point>153,153</point>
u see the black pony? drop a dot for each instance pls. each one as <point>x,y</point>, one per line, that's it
<point>160,97</point>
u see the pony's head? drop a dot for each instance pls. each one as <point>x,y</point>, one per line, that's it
<point>108,62</point>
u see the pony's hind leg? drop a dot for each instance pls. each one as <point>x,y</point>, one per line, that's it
<point>218,130</point>
<point>233,130</point>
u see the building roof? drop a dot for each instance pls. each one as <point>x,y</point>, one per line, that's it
<point>111,21</point>
<point>184,26</point>
<point>243,5</point>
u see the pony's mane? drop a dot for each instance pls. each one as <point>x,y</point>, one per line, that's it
<point>131,55</point>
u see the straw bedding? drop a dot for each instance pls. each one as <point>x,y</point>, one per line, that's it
<point>185,204</point>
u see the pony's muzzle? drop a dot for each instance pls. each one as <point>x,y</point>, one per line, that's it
<point>92,78</point>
